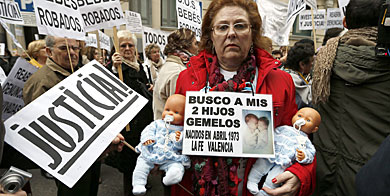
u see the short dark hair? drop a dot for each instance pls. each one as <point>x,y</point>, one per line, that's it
<point>305,41</point>
<point>331,33</point>
<point>277,52</point>
<point>250,116</point>
<point>299,52</point>
<point>264,119</point>
<point>362,13</point>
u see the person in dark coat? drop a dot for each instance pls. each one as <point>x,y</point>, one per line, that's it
<point>134,77</point>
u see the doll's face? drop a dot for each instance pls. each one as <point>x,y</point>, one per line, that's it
<point>262,125</point>
<point>175,107</point>
<point>252,123</point>
<point>312,119</point>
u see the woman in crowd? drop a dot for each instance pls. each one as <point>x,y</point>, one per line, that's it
<point>92,53</point>
<point>299,63</point>
<point>231,54</point>
<point>134,77</point>
<point>181,46</point>
<point>154,61</point>
<point>37,50</point>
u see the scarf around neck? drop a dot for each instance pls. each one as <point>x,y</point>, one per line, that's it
<point>322,70</point>
<point>133,64</point>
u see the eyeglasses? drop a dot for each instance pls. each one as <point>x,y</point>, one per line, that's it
<point>125,45</point>
<point>239,28</point>
<point>64,48</point>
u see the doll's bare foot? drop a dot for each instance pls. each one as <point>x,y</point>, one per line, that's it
<point>139,190</point>
<point>252,187</point>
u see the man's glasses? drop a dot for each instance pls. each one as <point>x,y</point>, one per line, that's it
<point>64,48</point>
<point>127,45</point>
<point>239,28</point>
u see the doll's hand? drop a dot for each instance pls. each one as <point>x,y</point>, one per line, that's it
<point>148,142</point>
<point>300,155</point>
<point>178,133</point>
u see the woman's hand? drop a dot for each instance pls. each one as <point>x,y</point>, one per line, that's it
<point>290,186</point>
<point>150,88</point>
<point>117,59</point>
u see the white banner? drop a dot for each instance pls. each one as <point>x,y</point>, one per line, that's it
<point>189,15</point>
<point>154,36</point>
<point>305,21</point>
<point>133,22</point>
<point>66,129</point>
<point>228,124</point>
<point>13,87</point>
<point>59,18</point>
<point>334,18</point>
<point>2,49</point>
<point>294,8</point>
<point>10,12</point>
<point>91,40</point>
<point>312,4</point>
<point>100,14</point>
<point>16,42</point>
<point>342,5</point>
<point>274,18</point>
<point>104,41</point>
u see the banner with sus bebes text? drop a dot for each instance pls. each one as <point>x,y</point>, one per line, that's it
<point>228,124</point>
<point>67,128</point>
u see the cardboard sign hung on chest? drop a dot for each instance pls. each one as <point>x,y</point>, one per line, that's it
<point>228,124</point>
<point>67,128</point>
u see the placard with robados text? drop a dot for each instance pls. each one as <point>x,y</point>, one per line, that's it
<point>67,128</point>
<point>228,124</point>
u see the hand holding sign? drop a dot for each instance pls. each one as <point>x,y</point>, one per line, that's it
<point>117,59</point>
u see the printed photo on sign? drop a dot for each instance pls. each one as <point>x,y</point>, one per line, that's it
<point>228,124</point>
<point>67,128</point>
<point>257,132</point>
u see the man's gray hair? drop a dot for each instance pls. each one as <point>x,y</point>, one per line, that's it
<point>50,41</point>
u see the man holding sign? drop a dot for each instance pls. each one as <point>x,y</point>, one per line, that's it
<point>57,68</point>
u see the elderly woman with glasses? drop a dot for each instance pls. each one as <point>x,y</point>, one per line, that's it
<point>133,76</point>
<point>231,54</point>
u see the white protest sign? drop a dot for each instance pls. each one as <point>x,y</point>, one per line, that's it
<point>2,49</point>
<point>10,12</point>
<point>334,18</point>
<point>226,124</point>
<point>13,87</point>
<point>294,8</point>
<point>2,78</point>
<point>274,18</point>
<point>104,41</point>
<point>189,15</point>
<point>91,40</point>
<point>343,5</point>
<point>153,36</point>
<point>312,4</point>
<point>16,42</point>
<point>59,18</point>
<point>305,21</point>
<point>133,22</point>
<point>100,14</point>
<point>67,128</point>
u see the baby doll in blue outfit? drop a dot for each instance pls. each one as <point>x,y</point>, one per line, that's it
<point>291,143</point>
<point>161,144</point>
